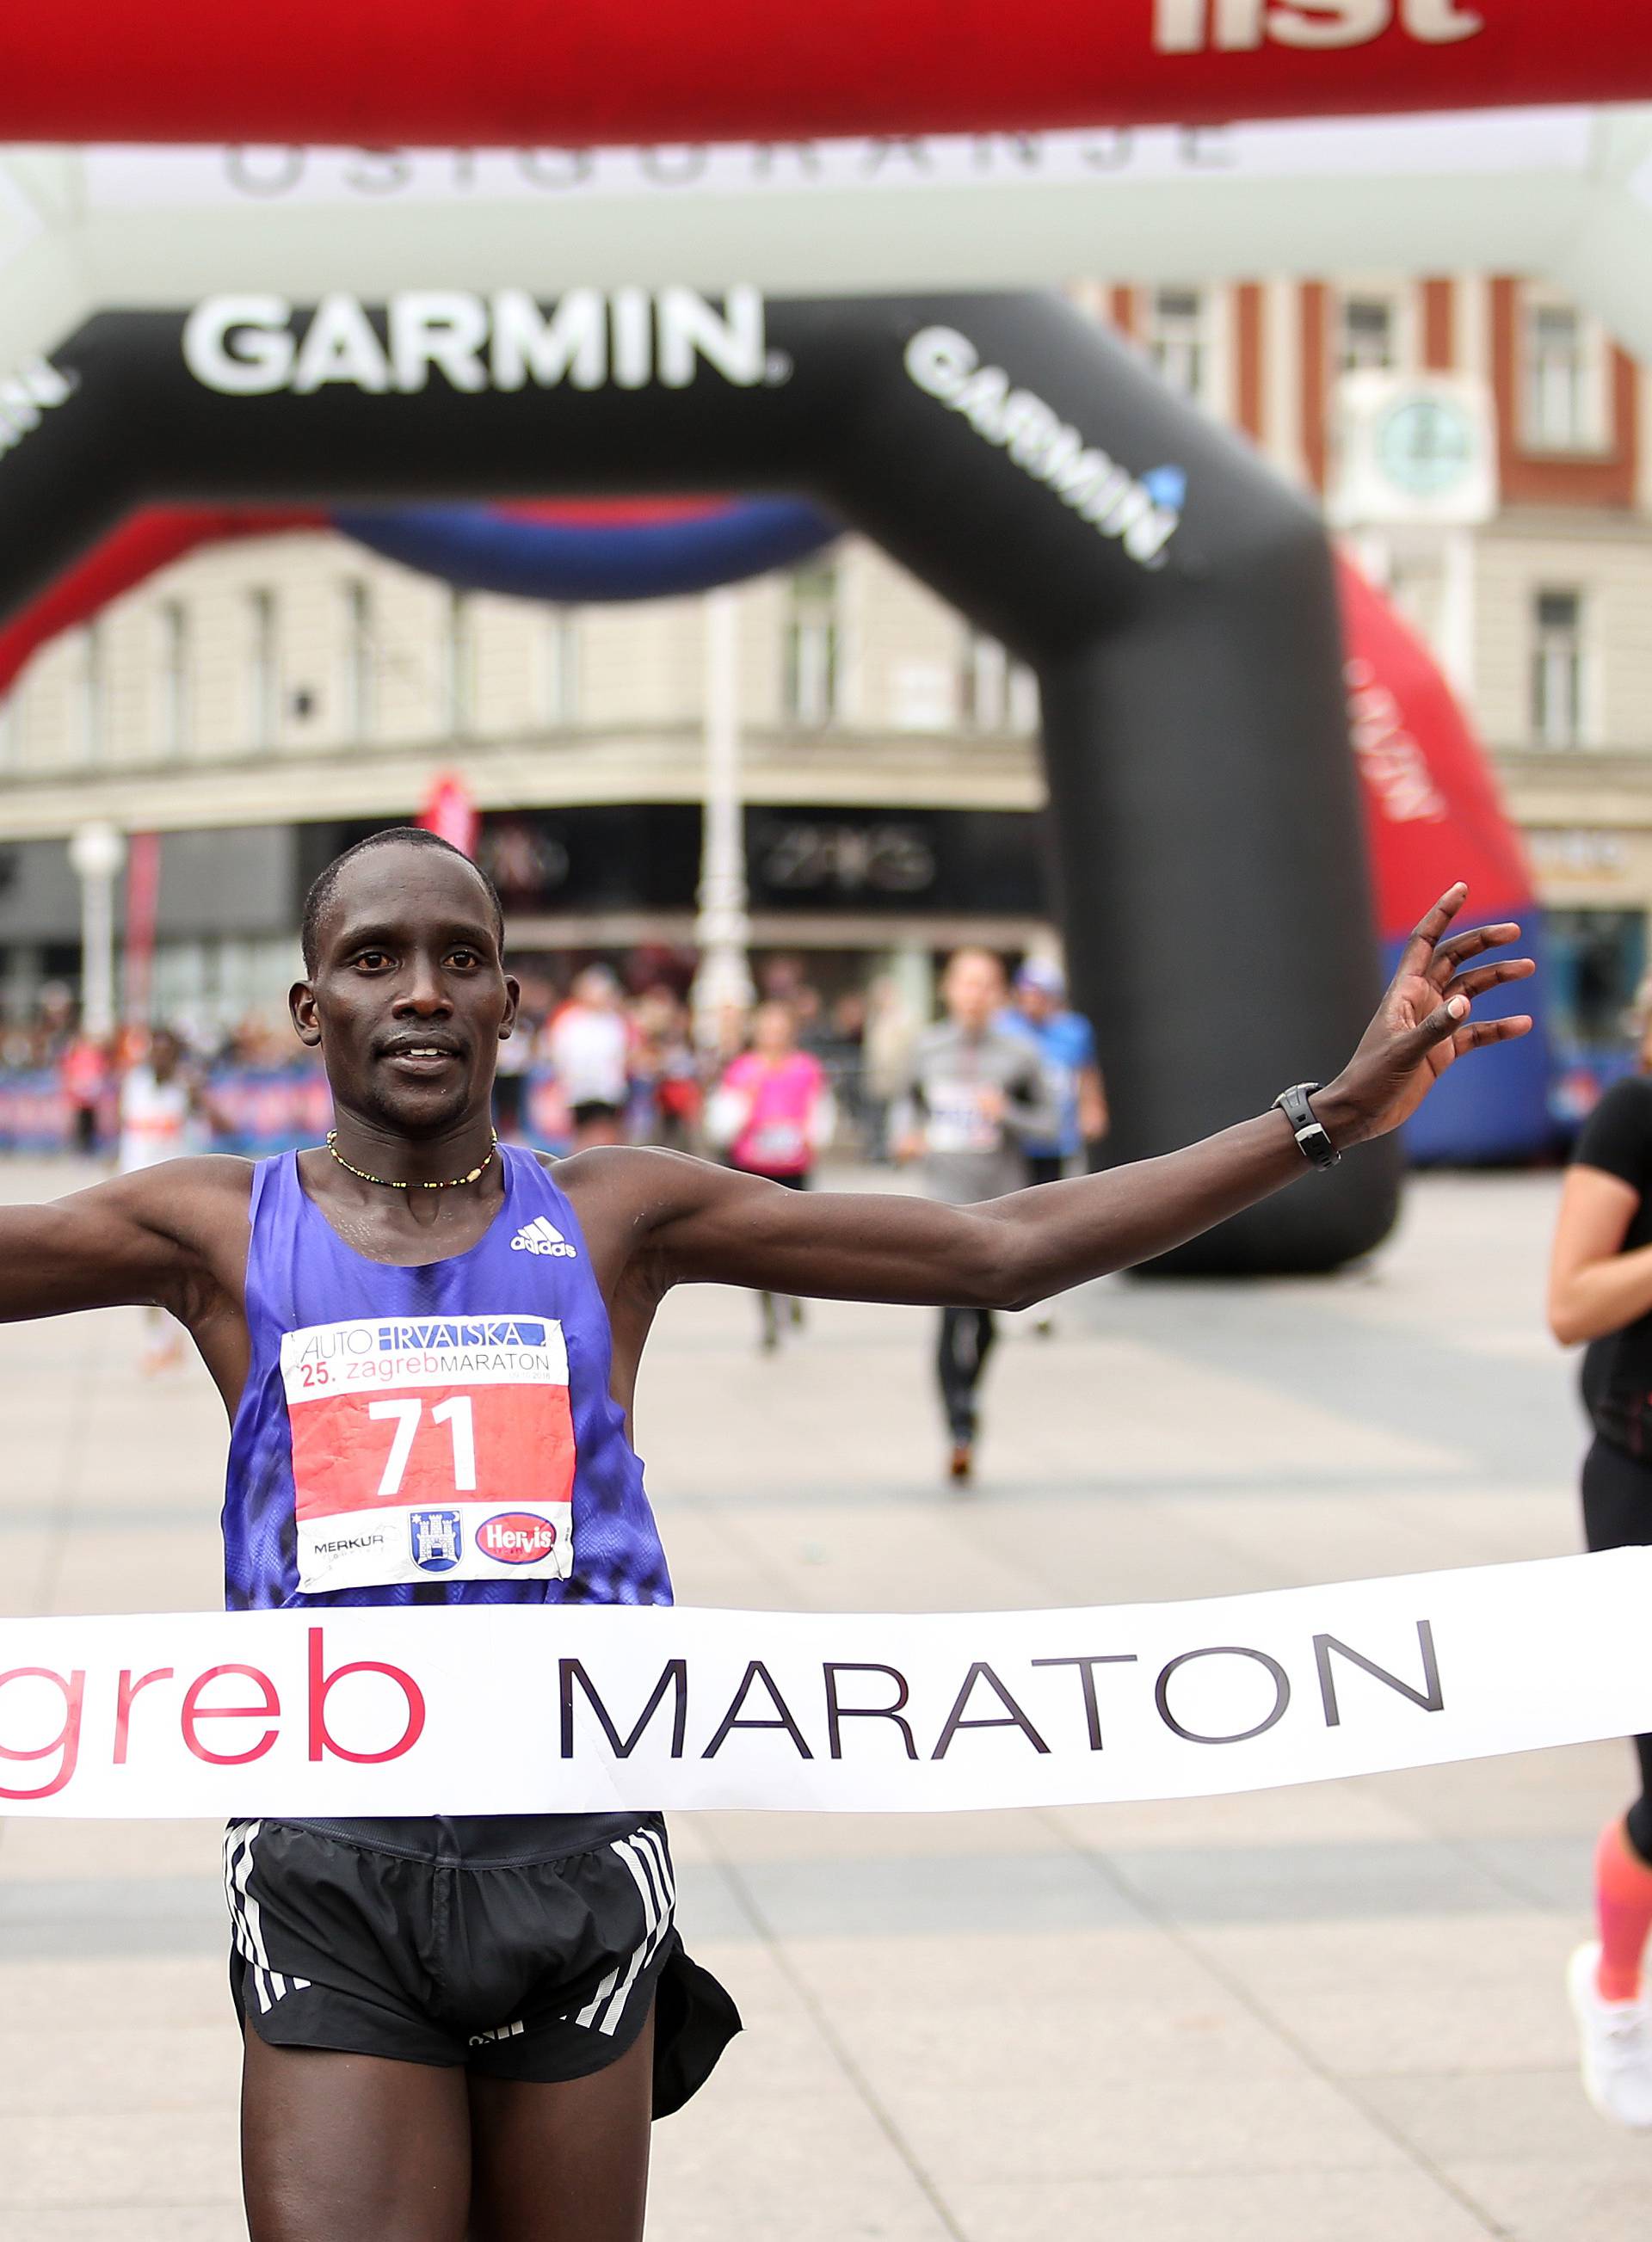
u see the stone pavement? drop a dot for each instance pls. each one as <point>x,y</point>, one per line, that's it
<point>1327,2015</point>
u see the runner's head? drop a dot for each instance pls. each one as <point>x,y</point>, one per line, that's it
<point>406,995</point>
<point>598,987</point>
<point>972,989</point>
<point>1039,989</point>
<point>773,1028</point>
<point>165,1054</point>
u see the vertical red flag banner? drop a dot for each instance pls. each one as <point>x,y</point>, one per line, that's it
<point>143,910</point>
<point>450,810</point>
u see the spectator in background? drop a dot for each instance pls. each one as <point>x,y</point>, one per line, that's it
<point>588,1045</point>
<point>729,1039</point>
<point>975,1097</point>
<point>83,1072</point>
<point>773,1112</point>
<point>510,1081</point>
<point>1066,1043</point>
<point>159,1099</point>
<point>886,1059</point>
<point>663,1061</point>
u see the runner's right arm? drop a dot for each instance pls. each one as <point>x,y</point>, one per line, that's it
<point>137,1240</point>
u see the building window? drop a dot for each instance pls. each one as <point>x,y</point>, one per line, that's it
<point>90,701</point>
<point>1368,335</point>
<point>1557,669</point>
<point>1593,961</point>
<point>811,645</point>
<point>1416,590</point>
<point>1562,395</point>
<point>264,669</point>
<point>996,694</point>
<point>358,660</point>
<point>171,677</point>
<point>557,680</point>
<point>1178,339</point>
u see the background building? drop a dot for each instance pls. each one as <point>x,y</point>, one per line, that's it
<point>263,702</point>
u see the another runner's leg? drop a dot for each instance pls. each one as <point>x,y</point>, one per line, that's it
<point>1617,1510</point>
<point>339,2148</point>
<point>966,1337</point>
<point>987,1333</point>
<point>568,2163</point>
<point>1609,1993</point>
<point>1623,1891</point>
<point>950,1368</point>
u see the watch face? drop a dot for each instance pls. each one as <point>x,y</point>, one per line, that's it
<point>1426,445</point>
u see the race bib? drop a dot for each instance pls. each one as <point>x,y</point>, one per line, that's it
<point>778,1140</point>
<point>958,1120</point>
<point>428,1447</point>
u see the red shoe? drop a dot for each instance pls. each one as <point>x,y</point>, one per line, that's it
<point>961,1464</point>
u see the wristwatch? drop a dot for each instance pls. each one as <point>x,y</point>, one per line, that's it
<point>1311,1141</point>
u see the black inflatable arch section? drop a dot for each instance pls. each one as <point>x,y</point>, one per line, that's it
<point>1175,598</point>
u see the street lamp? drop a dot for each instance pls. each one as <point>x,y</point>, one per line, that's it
<point>96,853</point>
<point>722,930</point>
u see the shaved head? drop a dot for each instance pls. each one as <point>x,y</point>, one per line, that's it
<point>320,899</point>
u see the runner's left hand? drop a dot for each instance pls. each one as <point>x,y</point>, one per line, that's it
<point>1422,1025</point>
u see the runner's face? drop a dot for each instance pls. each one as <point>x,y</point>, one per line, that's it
<point>409,1000</point>
<point>973,990</point>
<point>771,1031</point>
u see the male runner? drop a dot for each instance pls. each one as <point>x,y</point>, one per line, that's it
<point>1066,1043</point>
<point>457,2029</point>
<point>975,1097</point>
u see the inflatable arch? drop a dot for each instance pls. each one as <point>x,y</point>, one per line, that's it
<point>1174,595</point>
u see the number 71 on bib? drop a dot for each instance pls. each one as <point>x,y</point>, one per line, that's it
<point>430,1446</point>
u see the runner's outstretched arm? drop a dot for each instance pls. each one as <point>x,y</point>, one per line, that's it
<point>710,1225</point>
<point>135,1241</point>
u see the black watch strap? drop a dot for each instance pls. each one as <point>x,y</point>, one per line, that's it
<point>1311,1141</point>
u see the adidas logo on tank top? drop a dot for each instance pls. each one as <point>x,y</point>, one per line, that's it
<point>542,1236</point>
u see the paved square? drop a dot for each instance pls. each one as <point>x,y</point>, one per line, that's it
<point>1332,2014</point>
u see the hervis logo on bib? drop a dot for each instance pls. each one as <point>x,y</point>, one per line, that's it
<point>516,1537</point>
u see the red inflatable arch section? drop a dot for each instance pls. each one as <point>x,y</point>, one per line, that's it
<point>515,72</point>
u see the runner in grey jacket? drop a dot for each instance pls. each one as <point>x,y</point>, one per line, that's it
<point>976,1095</point>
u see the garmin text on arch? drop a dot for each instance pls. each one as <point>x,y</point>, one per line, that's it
<point>251,345</point>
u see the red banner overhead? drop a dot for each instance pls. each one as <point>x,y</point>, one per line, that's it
<point>520,72</point>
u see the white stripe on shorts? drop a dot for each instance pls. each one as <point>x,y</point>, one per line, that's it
<point>653,1876</point>
<point>644,1857</point>
<point>246,1921</point>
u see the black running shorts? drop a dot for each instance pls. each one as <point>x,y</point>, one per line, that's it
<point>525,1949</point>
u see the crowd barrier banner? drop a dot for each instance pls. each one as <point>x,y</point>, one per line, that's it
<point>254,1110</point>
<point>527,1708</point>
<point>258,1110</point>
<point>35,1114</point>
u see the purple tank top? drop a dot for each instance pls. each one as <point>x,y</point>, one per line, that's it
<point>438,1435</point>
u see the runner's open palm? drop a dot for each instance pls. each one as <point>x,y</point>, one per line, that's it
<point>1422,1025</point>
